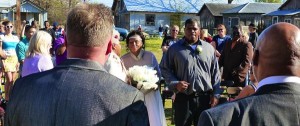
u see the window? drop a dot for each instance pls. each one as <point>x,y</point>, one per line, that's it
<point>287,20</point>
<point>150,19</point>
<point>297,22</point>
<point>274,19</point>
<point>233,21</point>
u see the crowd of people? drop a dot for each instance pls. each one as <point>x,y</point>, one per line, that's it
<point>32,45</point>
<point>81,78</point>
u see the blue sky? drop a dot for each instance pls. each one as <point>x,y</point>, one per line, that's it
<point>105,2</point>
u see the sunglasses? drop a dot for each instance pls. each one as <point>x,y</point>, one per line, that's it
<point>175,30</point>
<point>220,29</point>
<point>9,26</point>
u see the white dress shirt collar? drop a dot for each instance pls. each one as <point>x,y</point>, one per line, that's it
<point>278,79</point>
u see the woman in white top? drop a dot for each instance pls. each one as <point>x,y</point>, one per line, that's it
<point>10,62</point>
<point>135,43</point>
<point>38,57</point>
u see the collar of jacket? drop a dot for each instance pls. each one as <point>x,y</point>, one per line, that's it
<point>185,43</point>
<point>82,63</point>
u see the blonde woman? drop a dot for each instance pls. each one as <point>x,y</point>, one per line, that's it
<point>38,57</point>
<point>8,42</point>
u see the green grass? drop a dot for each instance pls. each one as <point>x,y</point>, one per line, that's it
<point>154,45</point>
<point>168,111</point>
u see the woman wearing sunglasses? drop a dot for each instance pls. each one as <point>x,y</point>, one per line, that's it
<point>8,42</point>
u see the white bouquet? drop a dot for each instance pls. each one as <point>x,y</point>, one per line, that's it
<point>143,78</point>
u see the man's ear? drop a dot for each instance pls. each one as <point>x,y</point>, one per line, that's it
<point>255,58</point>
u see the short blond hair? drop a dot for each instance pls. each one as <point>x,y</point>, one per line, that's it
<point>89,25</point>
<point>40,43</point>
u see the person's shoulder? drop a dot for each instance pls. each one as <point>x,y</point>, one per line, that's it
<point>32,80</point>
<point>230,109</point>
<point>60,39</point>
<point>16,38</point>
<point>44,58</point>
<point>148,53</point>
<point>115,86</point>
<point>22,42</point>
<point>52,30</point>
<point>207,45</point>
<point>176,45</point>
<point>125,56</point>
<point>216,36</point>
<point>228,37</point>
<point>113,57</point>
<point>246,43</point>
<point>169,37</point>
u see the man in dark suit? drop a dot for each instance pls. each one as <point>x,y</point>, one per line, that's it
<point>78,92</point>
<point>235,59</point>
<point>276,102</point>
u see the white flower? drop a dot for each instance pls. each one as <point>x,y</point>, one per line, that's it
<point>199,49</point>
<point>144,76</point>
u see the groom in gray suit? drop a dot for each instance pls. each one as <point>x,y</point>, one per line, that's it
<point>78,92</point>
<point>276,102</point>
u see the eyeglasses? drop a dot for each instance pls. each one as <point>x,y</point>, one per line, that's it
<point>9,26</point>
<point>175,30</point>
<point>220,29</point>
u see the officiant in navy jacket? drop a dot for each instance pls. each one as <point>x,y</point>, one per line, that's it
<point>78,92</point>
<point>276,102</point>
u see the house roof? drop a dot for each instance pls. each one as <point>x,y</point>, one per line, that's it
<point>31,3</point>
<point>217,8</point>
<point>255,8</point>
<point>283,12</point>
<point>184,6</point>
<point>284,4</point>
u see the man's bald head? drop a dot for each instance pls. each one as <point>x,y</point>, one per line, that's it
<point>278,51</point>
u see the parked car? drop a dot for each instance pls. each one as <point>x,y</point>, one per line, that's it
<point>123,33</point>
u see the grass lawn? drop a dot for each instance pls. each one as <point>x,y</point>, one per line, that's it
<point>154,45</point>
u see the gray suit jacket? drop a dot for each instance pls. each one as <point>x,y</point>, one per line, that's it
<point>271,105</point>
<point>76,93</point>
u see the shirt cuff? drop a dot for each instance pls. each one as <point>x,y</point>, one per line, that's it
<point>172,86</point>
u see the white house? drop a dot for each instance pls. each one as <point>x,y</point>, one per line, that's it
<point>150,14</point>
<point>29,11</point>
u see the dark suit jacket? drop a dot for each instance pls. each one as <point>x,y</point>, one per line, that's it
<point>236,62</point>
<point>271,105</point>
<point>76,93</point>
